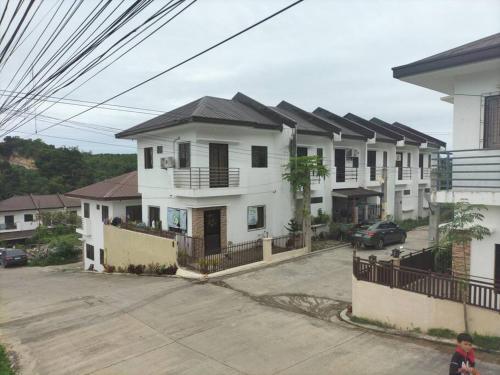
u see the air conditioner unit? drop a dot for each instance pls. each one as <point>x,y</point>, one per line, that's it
<point>168,162</point>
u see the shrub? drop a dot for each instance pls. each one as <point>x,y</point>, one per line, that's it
<point>410,224</point>
<point>122,269</point>
<point>61,250</point>
<point>108,268</point>
<point>442,332</point>
<point>322,218</point>
<point>206,265</point>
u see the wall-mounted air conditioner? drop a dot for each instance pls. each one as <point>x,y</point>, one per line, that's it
<point>168,162</point>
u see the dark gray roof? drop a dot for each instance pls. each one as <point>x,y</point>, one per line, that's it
<point>237,111</point>
<point>430,140</point>
<point>347,126</point>
<point>383,134</point>
<point>480,50</point>
<point>121,187</point>
<point>37,202</point>
<point>409,137</point>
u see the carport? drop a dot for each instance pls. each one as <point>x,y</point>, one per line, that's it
<point>356,204</point>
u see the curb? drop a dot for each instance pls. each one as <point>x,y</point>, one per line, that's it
<point>395,332</point>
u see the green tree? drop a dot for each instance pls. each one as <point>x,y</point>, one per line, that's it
<point>459,232</point>
<point>298,173</point>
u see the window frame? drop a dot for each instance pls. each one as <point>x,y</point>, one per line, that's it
<point>408,160</point>
<point>489,130</point>
<point>29,221</point>
<point>263,207</point>
<point>86,210</point>
<point>159,149</point>
<point>407,192</point>
<point>148,157</point>
<point>89,248</point>
<point>184,160</point>
<point>320,155</point>
<point>257,158</point>
<point>101,257</point>
<point>104,209</point>
<point>316,200</point>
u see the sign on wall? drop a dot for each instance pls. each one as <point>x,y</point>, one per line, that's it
<point>252,215</point>
<point>177,218</point>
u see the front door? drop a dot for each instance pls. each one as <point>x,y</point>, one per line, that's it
<point>154,216</point>
<point>211,219</point>
<point>399,164</point>
<point>421,165</point>
<point>9,222</point>
<point>340,164</point>
<point>218,165</point>
<point>372,164</point>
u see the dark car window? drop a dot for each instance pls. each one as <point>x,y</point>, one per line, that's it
<point>391,225</point>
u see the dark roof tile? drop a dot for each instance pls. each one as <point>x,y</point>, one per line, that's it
<point>117,188</point>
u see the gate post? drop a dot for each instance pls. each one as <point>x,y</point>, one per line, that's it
<point>267,249</point>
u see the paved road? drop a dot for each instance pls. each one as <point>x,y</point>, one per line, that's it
<point>278,320</point>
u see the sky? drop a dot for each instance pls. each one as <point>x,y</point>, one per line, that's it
<point>337,54</point>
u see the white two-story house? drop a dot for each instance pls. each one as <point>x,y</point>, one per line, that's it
<point>469,76</point>
<point>212,169</point>
<point>103,202</point>
<point>20,215</point>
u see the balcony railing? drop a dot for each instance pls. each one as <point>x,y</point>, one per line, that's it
<point>8,226</point>
<point>206,177</point>
<point>477,169</point>
<point>403,173</point>
<point>425,173</point>
<point>344,174</point>
<point>375,173</point>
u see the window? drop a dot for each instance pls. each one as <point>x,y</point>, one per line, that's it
<point>159,149</point>
<point>406,192</point>
<point>319,154</point>
<point>148,158</point>
<point>101,256</point>
<point>105,213</point>
<point>301,151</point>
<point>256,217</point>
<point>184,155</point>
<point>317,200</point>
<point>427,190</point>
<point>89,251</point>
<point>133,213</point>
<point>86,210</point>
<point>408,161</point>
<point>259,156</point>
<point>28,218</point>
<point>492,122</point>
<point>429,161</point>
<point>98,207</point>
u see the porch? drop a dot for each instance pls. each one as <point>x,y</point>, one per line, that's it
<point>356,205</point>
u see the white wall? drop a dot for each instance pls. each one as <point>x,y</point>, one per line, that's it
<point>483,252</point>
<point>27,225</point>
<point>409,202</point>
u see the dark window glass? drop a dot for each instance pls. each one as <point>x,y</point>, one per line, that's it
<point>497,267</point>
<point>184,155</point>
<point>133,213</point>
<point>101,256</point>
<point>148,158</point>
<point>97,206</point>
<point>159,149</point>
<point>317,200</point>
<point>427,190</point>
<point>28,218</point>
<point>408,161</point>
<point>355,162</point>
<point>86,210</point>
<point>301,151</point>
<point>259,156</point>
<point>429,161</point>
<point>407,192</point>
<point>492,122</point>
<point>259,221</point>
<point>89,251</point>
<point>105,213</point>
<point>319,154</point>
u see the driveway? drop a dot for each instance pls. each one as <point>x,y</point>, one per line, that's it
<point>277,320</point>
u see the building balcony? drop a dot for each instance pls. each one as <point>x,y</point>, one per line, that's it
<point>374,175</point>
<point>403,174</point>
<point>467,174</point>
<point>206,181</point>
<point>424,174</point>
<point>8,226</point>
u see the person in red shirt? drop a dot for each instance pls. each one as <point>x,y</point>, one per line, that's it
<point>463,361</point>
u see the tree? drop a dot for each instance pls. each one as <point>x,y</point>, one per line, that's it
<point>460,231</point>
<point>298,173</point>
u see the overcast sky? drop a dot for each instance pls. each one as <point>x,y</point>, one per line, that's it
<point>336,54</point>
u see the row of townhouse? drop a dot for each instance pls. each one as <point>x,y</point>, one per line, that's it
<point>20,215</point>
<point>212,169</point>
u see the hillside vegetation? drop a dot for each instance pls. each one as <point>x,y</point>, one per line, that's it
<point>52,169</point>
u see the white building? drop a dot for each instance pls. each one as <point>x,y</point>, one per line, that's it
<point>19,215</point>
<point>469,76</point>
<point>117,197</point>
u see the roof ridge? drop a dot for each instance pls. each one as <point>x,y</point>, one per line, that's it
<point>117,185</point>
<point>309,116</point>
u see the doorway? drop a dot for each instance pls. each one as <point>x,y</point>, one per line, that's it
<point>218,160</point>
<point>212,235</point>
<point>399,164</point>
<point>9,222</point>
<point>371,162</point>
<point>154,216</point>
<point>340,164</point>
<point>421,165</point>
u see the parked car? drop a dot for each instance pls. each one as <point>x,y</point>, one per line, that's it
<point>14,257</point>
<point>379,234</point>
<point>347,230</point>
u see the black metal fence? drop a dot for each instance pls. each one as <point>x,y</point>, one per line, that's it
<point>422,260</point>
<point>287,242</point>
<point>206,177</point>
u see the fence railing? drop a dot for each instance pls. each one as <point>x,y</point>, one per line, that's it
<point>287,242</point>
<point>147,230</point>
<point>231,256</point>
<point>344,174</point>
<point>425,173</point>
<point>477,169</point>
<point>206,177</point>
<point>474,292</point>
<point>375,173</point>
<point>403,173</point>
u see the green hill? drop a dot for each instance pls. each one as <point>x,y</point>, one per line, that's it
<point>32,166</point>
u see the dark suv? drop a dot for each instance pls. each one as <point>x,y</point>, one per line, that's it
<point>379,234</point>
<point>14,257</point>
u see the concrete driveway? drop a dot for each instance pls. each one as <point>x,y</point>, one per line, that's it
<point>277,320</point>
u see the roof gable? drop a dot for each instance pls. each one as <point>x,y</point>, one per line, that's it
<point>382,134</point>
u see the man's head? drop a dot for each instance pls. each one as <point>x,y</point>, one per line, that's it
<point>465,341</point>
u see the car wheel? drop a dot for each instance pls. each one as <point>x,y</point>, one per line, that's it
<point>380,244</point>
<point>403,238</point>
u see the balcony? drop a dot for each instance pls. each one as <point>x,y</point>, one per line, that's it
<point>374,175</point>
<point>424,173</point>
<point>8,226</point>
<point>467,174</point>
<point>206,181</point>
<point>346,174</point>
<point>403,174</point>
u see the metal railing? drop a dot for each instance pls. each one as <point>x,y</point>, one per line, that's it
<point>287,242</point>
<point>346,174</point>
<point>206,177</point>
<point>474,292</point>
<point>425,173</point>
<point>375,173</point>
<point>8,226</point>
<point>403,173</point>
<point>477,169</point>
<point>148,230</point>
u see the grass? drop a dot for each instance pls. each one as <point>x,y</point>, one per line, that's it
<point>357,319</point>
<point>444,333</point>
<point>5,367</point>
<point>483,341</point>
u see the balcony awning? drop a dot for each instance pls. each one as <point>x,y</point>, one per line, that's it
<point>355,193</point>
